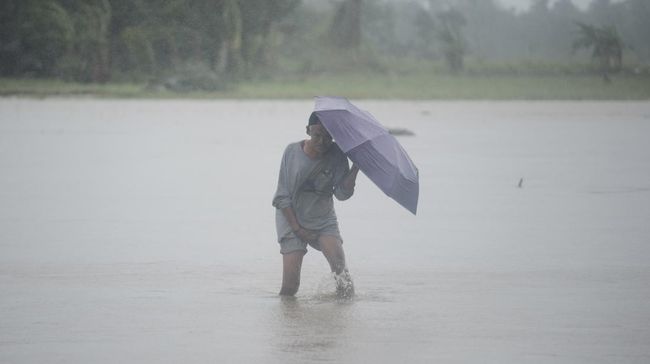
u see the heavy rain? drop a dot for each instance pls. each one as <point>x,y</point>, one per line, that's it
<point>156,196</point>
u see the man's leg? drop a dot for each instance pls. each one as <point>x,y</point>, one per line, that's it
<point>291,265</point>
<point>332,248</point>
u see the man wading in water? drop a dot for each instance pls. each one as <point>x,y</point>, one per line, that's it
<point>311,172</point>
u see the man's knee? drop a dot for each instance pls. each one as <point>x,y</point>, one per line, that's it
<point>333,250</point>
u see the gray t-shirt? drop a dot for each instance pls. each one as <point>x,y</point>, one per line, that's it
<point>307,185</point>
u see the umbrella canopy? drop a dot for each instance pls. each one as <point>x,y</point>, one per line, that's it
<point>369,145</point>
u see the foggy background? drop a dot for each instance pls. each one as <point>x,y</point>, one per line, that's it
<point>202,44</point>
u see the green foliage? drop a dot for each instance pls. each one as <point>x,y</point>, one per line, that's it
<point>225,42</point>
<point>451,36</point>
<point>91,45</point>
<point>606,45</point>
<point>138,53</point>
<point>97,40</point>
<point>259,17</point>
<point>425,33</point>
<point>45,32</point>
<point>416,79</point>
<point>232,31</point>
<point>345,31</point>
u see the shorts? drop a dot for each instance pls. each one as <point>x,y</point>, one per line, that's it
<point>292,243</point>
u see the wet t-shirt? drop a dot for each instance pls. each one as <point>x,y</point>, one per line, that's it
<point>307,185</point>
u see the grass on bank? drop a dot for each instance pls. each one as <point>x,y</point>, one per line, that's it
<point>372,85</point>
<point>445,87</point>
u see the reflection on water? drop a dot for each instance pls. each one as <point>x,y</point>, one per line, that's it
<point>317,326</point>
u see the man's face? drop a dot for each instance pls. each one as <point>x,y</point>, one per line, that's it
<point>321,140</point>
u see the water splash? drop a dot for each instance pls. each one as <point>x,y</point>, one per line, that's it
<point>335,286</point>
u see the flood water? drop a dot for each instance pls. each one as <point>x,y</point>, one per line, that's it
<point>143,231</point>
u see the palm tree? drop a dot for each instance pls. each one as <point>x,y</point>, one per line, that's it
<point>606,44</point>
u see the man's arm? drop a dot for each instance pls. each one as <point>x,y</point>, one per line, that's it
<point>282,197</point>
<point>290,216</point>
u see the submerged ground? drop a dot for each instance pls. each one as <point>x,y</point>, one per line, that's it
<point>142,231</point>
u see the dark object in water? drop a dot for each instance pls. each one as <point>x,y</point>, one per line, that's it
<point>400,132</point>
<point>521,182</point>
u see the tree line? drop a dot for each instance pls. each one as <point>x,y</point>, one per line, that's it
<point>485,31</point>
<point>212,42</point>
<point>100,40</point>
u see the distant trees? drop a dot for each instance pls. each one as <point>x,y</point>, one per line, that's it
<point>450,33</point>
<point>68,39</point>
<point>486,32</point>
<point>217,41</point>
<point>35,35</point>
<point>89,58</point>
<point>97,40</point>
<point>606,46</point>
<point>258,18</point>
<point>345,31</point>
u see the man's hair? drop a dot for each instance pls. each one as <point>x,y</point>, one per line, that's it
<point>313,119</point>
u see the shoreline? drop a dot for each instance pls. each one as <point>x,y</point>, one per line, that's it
<point>416,86</point>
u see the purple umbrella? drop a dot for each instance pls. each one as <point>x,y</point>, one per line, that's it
<point>368,144</point>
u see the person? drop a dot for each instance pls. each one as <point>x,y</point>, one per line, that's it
<point>311,172</point>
